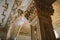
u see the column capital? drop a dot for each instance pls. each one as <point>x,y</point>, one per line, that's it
<point>45,6</point>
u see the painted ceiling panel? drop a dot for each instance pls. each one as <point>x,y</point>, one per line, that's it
<point>56,16</point>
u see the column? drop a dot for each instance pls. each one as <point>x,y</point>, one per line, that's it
<point>32,33</point>
<point>44,11</point>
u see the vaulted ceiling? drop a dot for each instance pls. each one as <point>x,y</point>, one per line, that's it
<point>55,18</point>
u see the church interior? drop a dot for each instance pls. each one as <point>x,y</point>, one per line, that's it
<point>29,19</point>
